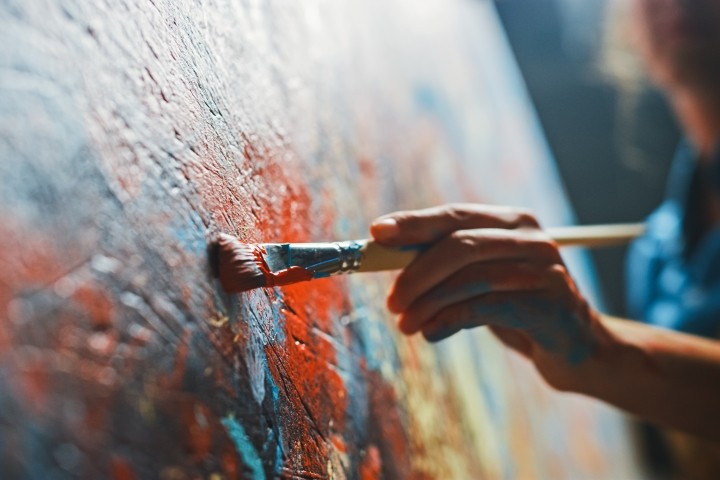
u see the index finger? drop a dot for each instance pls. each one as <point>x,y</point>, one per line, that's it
<point>430,224</point>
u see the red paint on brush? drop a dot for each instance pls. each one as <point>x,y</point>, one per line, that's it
<point>288,276</point>
<point>242,267</point>
<point>239,265</point>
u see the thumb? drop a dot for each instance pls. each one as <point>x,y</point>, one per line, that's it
<point>431,224</point>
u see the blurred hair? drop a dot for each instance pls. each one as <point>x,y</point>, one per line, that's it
<point>620,62</point>
<point>618,57</point>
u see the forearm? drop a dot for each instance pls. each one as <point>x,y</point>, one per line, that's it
<point>662,376</point>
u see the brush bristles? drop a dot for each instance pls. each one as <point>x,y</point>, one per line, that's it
<point>237,265</point>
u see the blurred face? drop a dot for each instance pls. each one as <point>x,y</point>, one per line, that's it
<point>680,40</point>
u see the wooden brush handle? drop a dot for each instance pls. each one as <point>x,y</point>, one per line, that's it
<point>377,257</point>
<point>596,235</point>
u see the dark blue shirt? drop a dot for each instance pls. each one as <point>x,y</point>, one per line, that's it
<point>673,271</point>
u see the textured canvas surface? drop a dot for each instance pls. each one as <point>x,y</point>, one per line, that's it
<point>132,132</point>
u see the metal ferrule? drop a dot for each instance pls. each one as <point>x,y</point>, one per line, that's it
<point>322,259</point>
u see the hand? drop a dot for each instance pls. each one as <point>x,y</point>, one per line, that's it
<point>490,266</point>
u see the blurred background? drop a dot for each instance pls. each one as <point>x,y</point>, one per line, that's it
<point>611,131</point>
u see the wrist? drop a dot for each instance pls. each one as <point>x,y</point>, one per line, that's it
<point>615,355</point>
<point>604,354</point>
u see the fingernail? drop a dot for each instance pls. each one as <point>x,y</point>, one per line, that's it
<point>385,229</point>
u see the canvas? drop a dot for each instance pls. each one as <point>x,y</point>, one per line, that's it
<point>132,133</point>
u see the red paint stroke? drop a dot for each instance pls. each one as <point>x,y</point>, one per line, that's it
<point>200,432</point>
<point>314,402</point>
<point>242,267</point>
<point>387,431</point>
<point>34,383</point>
<point>96,303</point>
<point>29,261</point>
<point>198,428</point>
<point>174,379</point>
<point>371,464</point>
<point>269,202</point>
<point>230,462</point>
<point>120,469</point>
<point>312,405</point>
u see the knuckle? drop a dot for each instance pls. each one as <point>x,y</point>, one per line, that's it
<point>558,272</point>
<point>452,314</point>
<point>545,246</point>
<point>526,218</point>
<point>527,273</point>
<point>462,241</point>
<point>444,316</point>
<point>460,212</point>
<point>404,219</point>
<point>411,223</point>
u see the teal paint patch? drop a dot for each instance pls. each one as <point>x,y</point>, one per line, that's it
<point>244,447</point>
<point>190,234</point>
<point>416,247</point>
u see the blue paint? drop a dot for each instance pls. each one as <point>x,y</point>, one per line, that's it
<point>254,354</point>
<point>417,247</point>
<point>583,342</point>
<point>277,432</point>
<point>507,311</point>
<point>467,291</point>
<point>314,266</point>
<point>269,329</point>
<point>432,102</point>
<point>278,319</point>
<point>562,333</point>
<point>331,257</point>
<point>244,447</point>
<point>288,253</point>
<point>189,233</point>
<point>370,331</point>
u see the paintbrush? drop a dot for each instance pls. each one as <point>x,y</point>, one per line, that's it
<point>242,266</point>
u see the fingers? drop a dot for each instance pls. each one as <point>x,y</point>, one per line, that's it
<point>475,280</point>
<point>496,309</point>
<point>462,249</point>
<point>431,224</point>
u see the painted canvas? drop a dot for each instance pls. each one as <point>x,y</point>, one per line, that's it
<point>133,132</point>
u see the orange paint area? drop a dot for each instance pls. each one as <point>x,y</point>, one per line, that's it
<point>287,276</point>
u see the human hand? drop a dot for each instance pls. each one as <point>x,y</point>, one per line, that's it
<point>491,266</point>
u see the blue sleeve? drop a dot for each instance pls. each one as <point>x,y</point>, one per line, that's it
<point>666,289</point>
